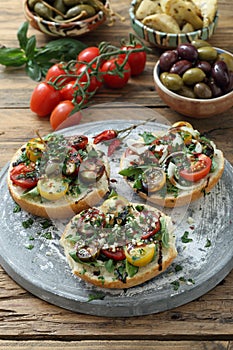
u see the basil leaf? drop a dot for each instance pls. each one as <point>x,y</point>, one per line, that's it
<point>73,255</point>
<point>22,35</point>
<point>138,184</point>
<point>64,49</point>
<point>109,265</point>
<point>33,70</point>
<point>130,269</point>
<point>31,193</point>
<point>164,232</point>
<point>131,171</point>
<point>30,47</point>
<point>12,57</point>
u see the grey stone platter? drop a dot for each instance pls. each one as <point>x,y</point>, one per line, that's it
<point>31,254</point>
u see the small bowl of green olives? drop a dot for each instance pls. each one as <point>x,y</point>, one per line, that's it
<point>195,79</point>
<point>66,18</point>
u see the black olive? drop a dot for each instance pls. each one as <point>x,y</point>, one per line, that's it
<point>91,170</point>
<point>153,179</point>
<point>88,253</point>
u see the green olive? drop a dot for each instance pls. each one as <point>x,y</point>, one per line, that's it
<point>88,11</point>
<point>43,11</point>
<point>172,81</point>
<point>60,6</point>
<point>207,53</point>
<point>202,90</point>
<point>58,18</point>
<point>31,4</point>
<point>71,2</point>
<point>228,59</point>
<point>193,76</point>
<point>186,91</point>
<point>199,43</point>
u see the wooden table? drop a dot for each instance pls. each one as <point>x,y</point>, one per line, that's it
<point>206,323</point>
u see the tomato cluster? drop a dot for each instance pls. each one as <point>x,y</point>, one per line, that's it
<point>68,87</point>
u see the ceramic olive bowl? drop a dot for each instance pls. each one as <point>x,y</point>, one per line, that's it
<point>66,28</point>
<point>168,40</point>
<point>192,107</point>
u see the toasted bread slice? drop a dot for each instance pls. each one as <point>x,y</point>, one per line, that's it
<point>173,194</point>
<point>105,272</point>
<point>72,202</point>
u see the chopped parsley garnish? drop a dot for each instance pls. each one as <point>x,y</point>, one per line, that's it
<point>29,246</point>
<point>28,223</point>
<point>16,209</point>
<point>97,296</point>
<point>208,243</point>
<point>148,137</point>
<point>185,238</point>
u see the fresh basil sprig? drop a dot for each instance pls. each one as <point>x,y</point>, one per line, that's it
<point>37,60</point>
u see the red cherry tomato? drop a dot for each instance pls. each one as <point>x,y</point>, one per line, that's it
<point>154,226</point>
<point>60,113</point>
<point>94,83</point>
<point>55,71</point>
<point>44,99</point>
<point>24,176</point>
<point>136,60</point>
<point>112,79</point>
<point>68,92</point>
<point>198,169</point>
<point>88,54</point>
<point>78,142</point>
<point>117,254</point>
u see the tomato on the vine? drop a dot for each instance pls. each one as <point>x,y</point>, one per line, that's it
<point>55,71</point>
<point>198,169</point>
<point>60,113</point>
<point>115,73</point>
<point>94,82</point>
<point>88,54</point>
<point>68,92</point>
<point>44,99</point>
<point>136,60</point>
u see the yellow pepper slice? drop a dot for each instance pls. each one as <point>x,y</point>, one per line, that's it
<point>34,149</point>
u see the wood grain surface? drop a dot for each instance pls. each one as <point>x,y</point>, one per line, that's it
<point>27,322</point>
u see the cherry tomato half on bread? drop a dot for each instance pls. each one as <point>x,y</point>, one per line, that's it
<point>115,74</point>
<point>136,60</point>
<point>198,169</point>
<point>44,99</point>
<point>24,176</point>
<point>117,254</point>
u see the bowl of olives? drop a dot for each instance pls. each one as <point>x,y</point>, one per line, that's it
<point>195,79</point>
<point>167,24</point>
<point>66,18</point>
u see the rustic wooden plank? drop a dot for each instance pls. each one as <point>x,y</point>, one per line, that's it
<point>116,345</point>
<point>27,317</point>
